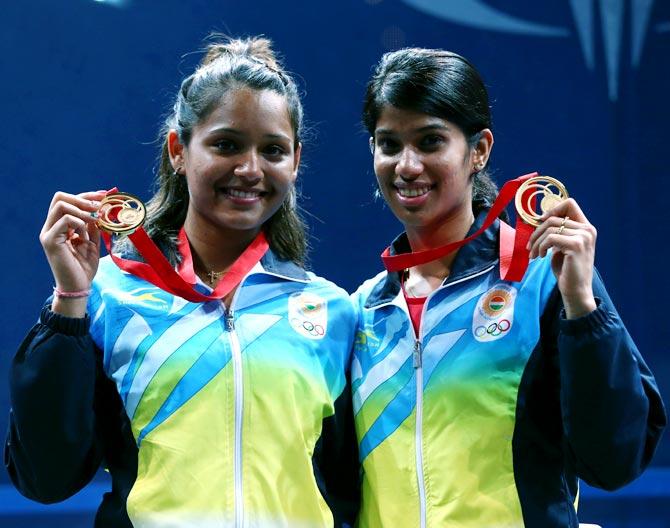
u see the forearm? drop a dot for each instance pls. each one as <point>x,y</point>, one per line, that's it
<point>612,413</point>
<point>52,448</point>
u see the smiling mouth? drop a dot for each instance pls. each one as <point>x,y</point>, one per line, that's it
<point>242,194</point>
<point>413,192</point>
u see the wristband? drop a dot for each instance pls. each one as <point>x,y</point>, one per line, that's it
<point>71,294</point>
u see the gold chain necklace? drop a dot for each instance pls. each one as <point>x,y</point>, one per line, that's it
<point>214,276</point>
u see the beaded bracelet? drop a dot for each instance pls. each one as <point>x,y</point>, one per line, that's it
<point>71,294</point>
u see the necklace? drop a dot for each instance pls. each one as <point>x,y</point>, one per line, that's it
<point>213,277</point>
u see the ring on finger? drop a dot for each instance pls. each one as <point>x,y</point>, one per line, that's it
<point>562,226</point>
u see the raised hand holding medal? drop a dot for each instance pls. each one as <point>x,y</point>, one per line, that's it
<point>71,241</point>
<point>563,228</point>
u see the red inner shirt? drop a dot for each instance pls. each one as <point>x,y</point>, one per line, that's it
<point>415,305</point>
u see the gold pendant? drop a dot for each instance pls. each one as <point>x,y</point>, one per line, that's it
<point>548,190</point>
<point>214,277</point>
<point>121,213</point>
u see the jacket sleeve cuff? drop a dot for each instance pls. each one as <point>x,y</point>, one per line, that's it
<point>591,322</point>
<point>72,326</point>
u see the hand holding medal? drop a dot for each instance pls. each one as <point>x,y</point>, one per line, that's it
<point>562,227</point>
<point>71,241</point>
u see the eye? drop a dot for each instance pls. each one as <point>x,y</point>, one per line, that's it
<point>274,151</point>
<point>387,145</point>
<point>431,141</point>
<point>225,145</point>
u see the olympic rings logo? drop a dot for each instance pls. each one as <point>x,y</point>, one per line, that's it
<point>312,329</point>
<point>494,329</point>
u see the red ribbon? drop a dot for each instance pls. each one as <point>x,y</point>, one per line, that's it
<point>157,270</point>
<point>513,252</point>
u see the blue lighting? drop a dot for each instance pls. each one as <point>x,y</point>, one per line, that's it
<point>114,3</point>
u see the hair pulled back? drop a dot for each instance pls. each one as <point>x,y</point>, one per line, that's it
<point>438,83</point>
<point>227,65</point>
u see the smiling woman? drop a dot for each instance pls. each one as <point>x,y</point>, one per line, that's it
<point>240,165</point>
<point>481,401</point>
<point>234,411</point>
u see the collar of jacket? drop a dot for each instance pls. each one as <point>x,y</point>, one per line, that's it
<point>479,254</point>
<point>273,264</point>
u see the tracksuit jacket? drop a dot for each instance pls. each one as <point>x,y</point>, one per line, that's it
<point>490,415</point>
<point>203,417</point>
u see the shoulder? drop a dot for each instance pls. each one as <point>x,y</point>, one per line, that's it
<point>367,287</point>
<point>113,286</point>
<point>331,292</point>
<point>110,276</point>
<point>318,282</point>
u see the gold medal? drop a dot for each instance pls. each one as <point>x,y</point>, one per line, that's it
<point>121,213</point>
<point>548,190</point>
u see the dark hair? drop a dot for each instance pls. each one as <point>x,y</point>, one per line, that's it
<point>438,83</point>
<point>226,66</point>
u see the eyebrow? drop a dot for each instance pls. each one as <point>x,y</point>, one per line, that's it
<point>235,132</point>
<point>427,128</point>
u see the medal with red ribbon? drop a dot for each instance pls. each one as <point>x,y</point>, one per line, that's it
<point>124,214</point>
<point>512,250</point>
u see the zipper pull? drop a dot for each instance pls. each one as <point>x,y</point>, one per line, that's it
<point>417,354</point>
<point>230,320</point>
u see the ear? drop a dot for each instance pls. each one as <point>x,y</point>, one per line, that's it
<point>296,160</point>
<point>176,150</point>
<point>482,150</point>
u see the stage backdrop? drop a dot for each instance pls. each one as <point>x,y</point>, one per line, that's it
<point>579,90</point>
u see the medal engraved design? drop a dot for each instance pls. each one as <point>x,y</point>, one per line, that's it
<point>548,190</point>
<point>121,213</point>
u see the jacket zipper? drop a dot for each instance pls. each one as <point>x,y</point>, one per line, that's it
<point>418,367</point>
<point>238,388</point>
<point>418,440</point>
<point>239,402</point>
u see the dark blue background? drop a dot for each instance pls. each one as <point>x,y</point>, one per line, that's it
<point>85,83</point>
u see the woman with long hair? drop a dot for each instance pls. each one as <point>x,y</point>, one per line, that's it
<point>232,411</point>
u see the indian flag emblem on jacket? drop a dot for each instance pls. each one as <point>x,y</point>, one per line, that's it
<point>496,300</point>
<point>308,314</point>
<point>496,303</point>
<point>494,313</point>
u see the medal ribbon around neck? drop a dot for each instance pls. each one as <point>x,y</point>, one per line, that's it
<point>514,256</point>
<point>156,269</point>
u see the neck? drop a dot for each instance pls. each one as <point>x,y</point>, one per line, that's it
<point>451,230</point>
<point>215,249</point>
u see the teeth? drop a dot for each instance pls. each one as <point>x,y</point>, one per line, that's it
<point>242,194</point>
<point>411,193</point>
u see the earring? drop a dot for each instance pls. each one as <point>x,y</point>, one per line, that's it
<point>371,144</point>
<point>176,171</point>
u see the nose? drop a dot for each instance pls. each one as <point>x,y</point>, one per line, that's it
<point>249,166</point>
<point>409,165</point>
